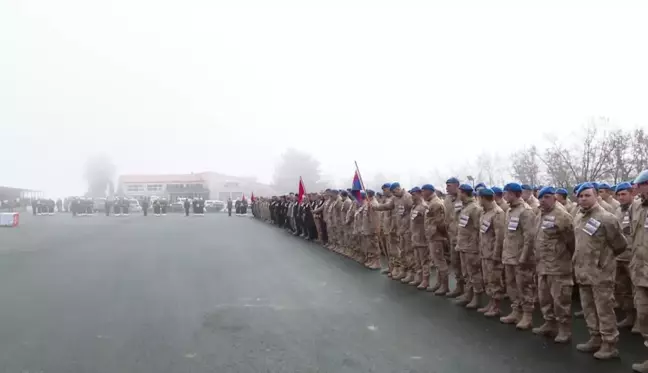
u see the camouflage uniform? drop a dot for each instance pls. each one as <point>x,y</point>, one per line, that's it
<point>534,204</point>
<point>400,208</point>
<point>468,247</point>
<point>623,288</point>
<point>437,238</point>
<point>519,267</point>
<point>370,230</point>
<point>639,270</point>
<point>453,206</point>
<point>347,228</point>
<point>492,228</point>
<point>420,250</point>
<point>391,240</point>
<point>554,246</point>
<point>599,237</point>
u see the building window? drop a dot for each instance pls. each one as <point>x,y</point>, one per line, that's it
<point>135,188</point>
<point>154,187</point>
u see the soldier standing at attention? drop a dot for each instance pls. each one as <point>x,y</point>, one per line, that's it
<point>145,206</point>
<point>468,248</point>
<point>517,258</point>
<point>395,268</point>
<point>370,231</point>
<point>453,206</point>
<point>623,284</point>
<point>436,237</point>
<point>492,228</point>
<point>554,247</point>
<point>229,207</point>
<point>419,242</point>
<point>599,237</point>
<point>498,194</point>
<point>607,195</point>
<point>529,198</point>
<point>639,262</point>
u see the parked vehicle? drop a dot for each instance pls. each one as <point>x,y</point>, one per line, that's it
<point>214,205</point>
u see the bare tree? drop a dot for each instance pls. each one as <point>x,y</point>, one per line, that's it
<point>293,165</point>
<point>99,173</point>
<point>590,158</point>
<point>525,166</point>
<point>639,144</point>
<point>621,146</point>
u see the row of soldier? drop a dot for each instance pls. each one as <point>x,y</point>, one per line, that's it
<point>531,245</point>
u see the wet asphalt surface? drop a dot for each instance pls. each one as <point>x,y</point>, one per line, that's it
<point>219,294</point>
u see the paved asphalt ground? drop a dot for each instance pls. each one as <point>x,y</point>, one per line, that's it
<point>219,294</point>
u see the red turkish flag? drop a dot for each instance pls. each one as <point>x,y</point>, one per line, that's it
<point>252,197</point>
<point>302,190</point>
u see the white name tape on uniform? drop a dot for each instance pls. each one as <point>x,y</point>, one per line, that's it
<point>548,222</point>
<point>463,220</point>
<point>591,226</point>
<point>485,224</point>
<point>513,223</point>
<point>458,206</point>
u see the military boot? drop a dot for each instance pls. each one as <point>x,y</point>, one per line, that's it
<point>458,290</point>
<point>564,333</point>
<point>607,351</point>
<point>385,271</point>
<point>487,307</point>
<point>398,274</point>
<point>526,322</point>
<point>437,285</point>
<point>416,280</point>
<point>628,322</point>
<point>408,277</point>
<point>494,311</point>
<point>464,298</point>
<point>641,368</point>
<point>592,345</point>
<point>425,283</point>
<point>374,264</point>
<point>512,318</point>
<point>548,329</point>
<point>474,302</point>
<point>443,286</point>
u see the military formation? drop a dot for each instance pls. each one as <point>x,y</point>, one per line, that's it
<point>532,245</point>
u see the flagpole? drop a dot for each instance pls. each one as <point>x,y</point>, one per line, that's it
<point>359,175</point>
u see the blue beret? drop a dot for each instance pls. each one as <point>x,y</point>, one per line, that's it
<point>642,177</point>
<point>394,186</point>
<point>370,193</point>
<point>604,186</point>
<point>546,190</point>
<point>526,187</point>
<point>562,191</point>
<point>480,185</point>
<point>497,190</point>
<point>595,185</point>
<point>623,186</point>
<point>538,187</point>
<point>576,187</point>
<point>585,186</point>
<point>344,193</point>
<point>335,191</point>
<point>512,187</point>
<point>415,190</point>
<point>466,187</point>
<point>386,186</point>
<point>327,190</point>
<point>452,180</point>
<point>486,192</point>
<point>429,187</point>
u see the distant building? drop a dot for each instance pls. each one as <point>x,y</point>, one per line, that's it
<point>10,194</point>
<point>208,185</point>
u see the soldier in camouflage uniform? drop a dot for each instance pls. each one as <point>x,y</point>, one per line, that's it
<point>517,257</point>
<point>453,206</point>
<point>554,247</point>
<point>370,230</point>
<point>436,237</point>
<point>492,228</point>
<point>468,248</point>
<point>599,237</point>
<point>623,288</point>
<point>419,242</point>
<point>639,262</point>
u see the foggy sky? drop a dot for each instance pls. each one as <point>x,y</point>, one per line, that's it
<point>169,86</point>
